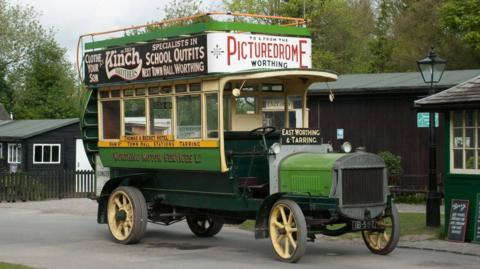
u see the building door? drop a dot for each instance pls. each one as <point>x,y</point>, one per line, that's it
<point>81,159</point>
<point>14,157</point>
<point>82,183</point>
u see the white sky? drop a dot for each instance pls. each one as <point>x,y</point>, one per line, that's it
<point>69,18</point>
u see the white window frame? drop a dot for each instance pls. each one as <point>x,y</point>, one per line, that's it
<point>1,150</point>
<point>475,148</point>
<point>43,148</point>
<point>16,158</point>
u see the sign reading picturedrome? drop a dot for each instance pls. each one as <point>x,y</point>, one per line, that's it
<point>196,55</point>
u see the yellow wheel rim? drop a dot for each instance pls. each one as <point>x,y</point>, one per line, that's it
<point>380,240</point>
<point>120,215</point>
<point>283,231</point>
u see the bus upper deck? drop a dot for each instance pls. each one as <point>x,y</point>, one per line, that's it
<point>169,98</point>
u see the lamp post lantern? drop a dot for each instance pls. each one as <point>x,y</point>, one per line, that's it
<point>432,68</point>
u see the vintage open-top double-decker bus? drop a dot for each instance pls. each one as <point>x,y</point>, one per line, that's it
<point>206,120</point>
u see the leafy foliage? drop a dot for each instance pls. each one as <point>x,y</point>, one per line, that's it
<point>6,93</point>
<point>393,163</point>
<point>340,35</point>
<point>416,198</point>
<point>416,28</point>
<point>50,90</point>
<point>4,265</point>
<point>182,8</point>
<point>36,81</point>
<point>381,45</point>
<point>20,32</point>
<point>462,18</point>
<point>358,36</point>
<point>340,28</point>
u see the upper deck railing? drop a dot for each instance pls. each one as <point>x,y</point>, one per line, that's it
<point>201,22</point>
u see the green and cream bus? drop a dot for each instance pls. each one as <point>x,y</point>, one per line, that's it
<point>206,121</point>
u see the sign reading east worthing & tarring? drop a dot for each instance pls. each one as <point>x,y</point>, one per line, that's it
<point>300,136</point>
<point>196,55</point>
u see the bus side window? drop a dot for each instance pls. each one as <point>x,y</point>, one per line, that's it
<point>212,115</point>
<point>111,119</point>
<point>161,116</point>
<point>135,120</point>
<point>273,111</point>
<point>227,113</point>
<point>189,117</point>
<point>295,113</point>
<point>246,105</point>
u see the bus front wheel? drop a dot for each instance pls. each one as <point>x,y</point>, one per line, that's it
<point>288,231</point>
<point>385,240</point>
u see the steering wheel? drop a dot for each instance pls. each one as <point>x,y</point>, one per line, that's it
<point>263,131</point>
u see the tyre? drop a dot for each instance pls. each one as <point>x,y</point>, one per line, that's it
<point>204,226</point>
<point>288,231</point>
<point>385,241</point>
<point>127,215</point>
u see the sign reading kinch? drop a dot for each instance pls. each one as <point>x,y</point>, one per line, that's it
<point>196,55</point>
<point>162,59</point>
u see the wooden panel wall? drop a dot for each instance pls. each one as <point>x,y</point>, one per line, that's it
<point>66,136</point>
<point>379,122</point>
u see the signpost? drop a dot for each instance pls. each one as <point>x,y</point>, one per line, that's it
<point>476,232</point>
<point>423,120</point>
<point>340,134</point>
<point>457,225</point>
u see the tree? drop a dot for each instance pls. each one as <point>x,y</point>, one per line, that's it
<point>50,90</point>
<point>341,29</point>
<point>341,32</point>
<point>264,7</point>
<point>35,79</point>
<point>182,8</point>
<point>20,32</point>
<point>352,36</point>
<point>381,45</point>
<point>417,28</point>
<point>175,9</point>
<point>462,18</point>
<point>6,93</point>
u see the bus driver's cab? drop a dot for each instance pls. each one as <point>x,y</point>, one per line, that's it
<point>255,109</point>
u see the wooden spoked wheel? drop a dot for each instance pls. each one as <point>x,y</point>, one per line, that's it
<point>288,231</point>
<point>385,240</point>
<point>204,226</point>
<point>127,215</point>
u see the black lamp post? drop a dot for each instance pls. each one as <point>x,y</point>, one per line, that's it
<point>431,69</point>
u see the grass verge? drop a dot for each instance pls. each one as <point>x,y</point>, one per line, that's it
<point>411,225</point>
<point>4,265</point>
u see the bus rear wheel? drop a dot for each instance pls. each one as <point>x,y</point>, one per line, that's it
<point>204,226</point>
<point>127,215</point>
<point>288,231</point>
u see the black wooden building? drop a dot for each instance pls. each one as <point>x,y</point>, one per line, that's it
<point>33,145</point>
<point>376,111</point>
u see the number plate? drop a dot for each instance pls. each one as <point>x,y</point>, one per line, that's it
<point>358,225</point>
